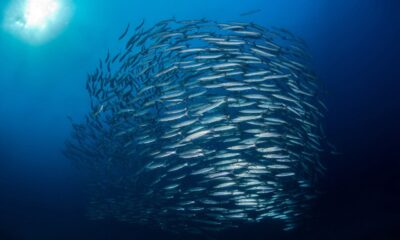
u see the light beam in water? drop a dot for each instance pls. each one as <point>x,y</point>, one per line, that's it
<point>39,13</point>
<point>37,21</point>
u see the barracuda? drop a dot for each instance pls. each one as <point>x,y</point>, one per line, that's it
<point>202,126</point>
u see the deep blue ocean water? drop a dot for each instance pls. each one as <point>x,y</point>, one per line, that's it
<point>355,46</point>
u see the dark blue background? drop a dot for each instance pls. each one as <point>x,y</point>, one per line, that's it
<point>356,50</point>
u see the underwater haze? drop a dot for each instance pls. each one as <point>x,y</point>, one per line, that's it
<point>46,54</point>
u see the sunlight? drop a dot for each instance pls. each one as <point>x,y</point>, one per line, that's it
<point>39,12</point>
<point>37,21</point>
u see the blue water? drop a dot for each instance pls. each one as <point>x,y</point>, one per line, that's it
<point>355,46</point>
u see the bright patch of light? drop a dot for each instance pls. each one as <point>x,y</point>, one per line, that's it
<point>39,12</point>
<point>37,21</point>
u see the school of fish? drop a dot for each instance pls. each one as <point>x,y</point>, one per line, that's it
<point>199,126</point>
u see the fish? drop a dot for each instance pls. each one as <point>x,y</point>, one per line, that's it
<point>173,117</point>
<point>124,33</point>
<point>202,126</point>
<point>251,12</point>
<point>140,25</point>
<point>209,107</point>
<point>196,135</point>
